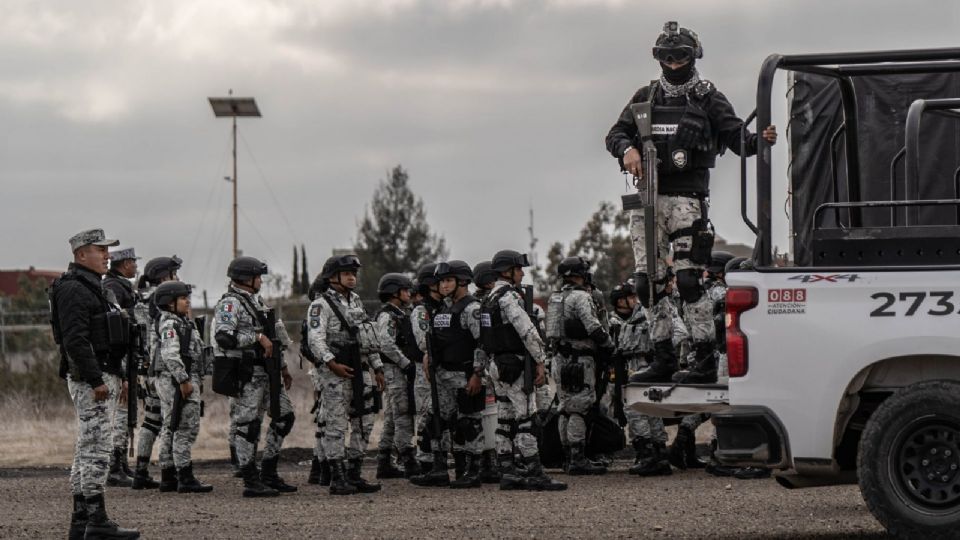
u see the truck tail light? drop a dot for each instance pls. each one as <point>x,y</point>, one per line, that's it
<point>739,300</point>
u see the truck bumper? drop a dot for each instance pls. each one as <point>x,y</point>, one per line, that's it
<point>749,436</point>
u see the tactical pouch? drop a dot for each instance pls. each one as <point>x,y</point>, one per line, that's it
<point>245,369</point>
<point>509,368</point>
<point>118,330</point>
<point>574,329</point>
<point>226,376</point>
<point>468,404</point>
<point>571,377</point>
<point>702,245</point>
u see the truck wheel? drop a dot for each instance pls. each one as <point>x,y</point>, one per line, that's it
<point>909,461</point>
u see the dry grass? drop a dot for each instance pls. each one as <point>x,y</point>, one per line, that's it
<point>41,431</point>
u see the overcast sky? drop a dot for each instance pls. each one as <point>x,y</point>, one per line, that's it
<point>491,105</point>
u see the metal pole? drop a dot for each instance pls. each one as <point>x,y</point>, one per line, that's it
<point>236,249</point>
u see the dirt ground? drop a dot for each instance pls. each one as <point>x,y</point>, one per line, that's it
<point>688,504</point>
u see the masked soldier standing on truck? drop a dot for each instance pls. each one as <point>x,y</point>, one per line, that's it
<point>87,328</point>
<point>238,330</point>
<point>180,369</point>
<point>693,122</point>
<point>398,349</point>
<point>575,332</point>
<point>508,335</point>
<point>123,268</point>
<point>347,346</point>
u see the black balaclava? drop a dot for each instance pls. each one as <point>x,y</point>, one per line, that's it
<point>680,75</point>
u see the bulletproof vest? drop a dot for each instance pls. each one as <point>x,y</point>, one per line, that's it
<point>453,345</point>
<point>665,117</point>
<point>559,325</point>
<point>305,349</point>
<point>405,339</point>
<point>130,299</point>
<point>108,331</point>
<point>356,327</point>
<point>497,335</point>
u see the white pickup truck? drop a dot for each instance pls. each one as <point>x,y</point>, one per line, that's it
<point>847,369</point>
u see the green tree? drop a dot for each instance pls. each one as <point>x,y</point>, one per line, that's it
<point>295,288</point>
<point>605,242</point>
<point>304,272</point>
<point>394,235</point>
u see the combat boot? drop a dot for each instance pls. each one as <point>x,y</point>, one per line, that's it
<point>654,461</point>
<point>325,472</point>
<point>438,476</point>
<point>471,473</point>
<point>459,464</point>
<point>641,455</point>
<point>124,464</point>
<point>168,479</point>
<point>510,478</point>
<point>235,462</point>
<point>580,465</point>
<point>315,469</point>
<point>252,486</point>
<point>116,477</point>
<point>751,473</point>
<point>78,519</point>
<point>385,466</point>
<point>188,483</point>
<point>141,477</point>
<point>338,479</point>
<point>537,480</point>
<point>488,468</point>
<point>704,368</point>
<point>411,467</point>
<point>270,478</point>
<point>354,477</point>
<point>425,466</point>
<point>100,526</point>
<point>677,454</point>
<point>565,460</point>
<point>662,368</point>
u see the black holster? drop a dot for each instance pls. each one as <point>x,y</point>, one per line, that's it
<point>509,368</point>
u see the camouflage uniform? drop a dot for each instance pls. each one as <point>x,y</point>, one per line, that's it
<point>515,407</point>
<point>175,446</point>
<point>634,344</point>
<point>467,434</point>
<point>398,418</point>
<point>716,293</point>
<point>575,365</point>
<point>232,316</point>
<point>152,418</point>
<point>328,340</point>
<point>91,459</point>
<point>420,318</point>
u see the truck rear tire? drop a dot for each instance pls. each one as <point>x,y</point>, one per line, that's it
<point>908,463</point>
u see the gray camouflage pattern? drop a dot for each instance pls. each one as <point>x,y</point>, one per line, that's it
<point>91,459</point>
<point>175,446</point>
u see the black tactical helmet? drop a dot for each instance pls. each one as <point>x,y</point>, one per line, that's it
<point>718,260</point>
<point>244,268</point>
<point>483,274</point>
<point>620,291</point>
<point>677,44</point>
<point>573,266</point>
<point>426,275</point>
<point>392,283</point>
<point>458,269</point>
<point>734,264</point>
<point>339,263</point>
<point>506,259</point>
<point>161,267</point>
<point>168,291</point>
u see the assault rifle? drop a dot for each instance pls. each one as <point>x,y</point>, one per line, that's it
<point>529,366</point>
<point>272,365</point>
<point>646,197</point>
<point>136,353</point>
<point>437,424</point>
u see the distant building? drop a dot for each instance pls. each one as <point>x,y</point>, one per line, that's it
<point>10,279</point>
<point>738,250</point>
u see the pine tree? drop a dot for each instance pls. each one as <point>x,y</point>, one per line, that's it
<point>394,235</point>
<point>304,272</point>
<point>295,288</point>
<point>604,241</point>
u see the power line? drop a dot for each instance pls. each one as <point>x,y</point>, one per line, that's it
<point>263,180</point>
<point>256,230</point>
<point>206,207</point>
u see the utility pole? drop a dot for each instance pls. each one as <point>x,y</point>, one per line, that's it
<point>233,107</point>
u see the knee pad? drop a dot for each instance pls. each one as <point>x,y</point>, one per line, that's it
<point>284,424</point>
<point>688,284</point>
<point>250,431</point>
<point>467,430</point>
<point>506,428</point>
<point>150,425</point>
<point>572,377</point>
